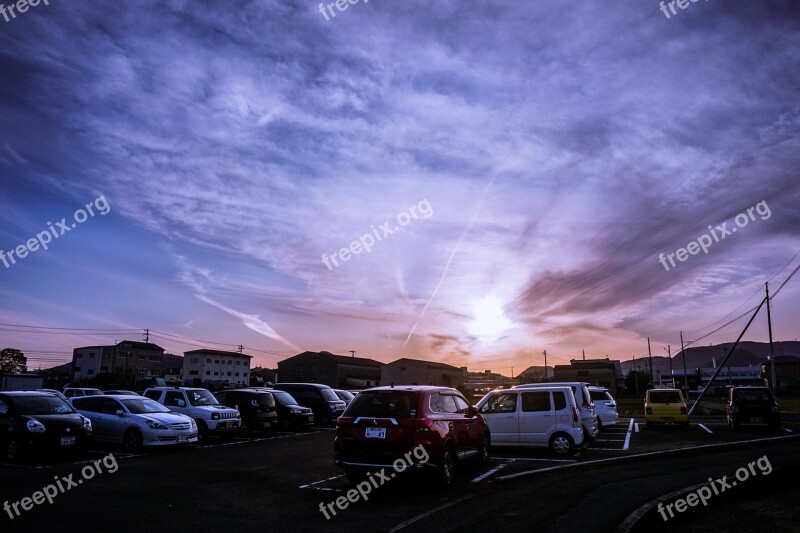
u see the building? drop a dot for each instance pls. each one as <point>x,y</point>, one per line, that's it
<point>216,368</point>
<point>535,374</point>
<point>128,361</point>
<point>338,371</point>
<point>787,373</point>
<point>418,372</point>
<point>600,372</point>
<point>172,368</point>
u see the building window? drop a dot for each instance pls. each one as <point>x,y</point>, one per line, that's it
<point>216,361</point>
<point>91,355</point>
<point>140,371</point>
<point>141,356</point>
<point>402,369</point>
<point>193,372</point>
<point>194,360</point>
<point>238,363</point>
<point>244,374</point>
<point>90,371</point>
<point>78,355</point>
<point>229,374</point>
<point>216,373</point>
<point>208,360</point>
<point>237,374</point>
<point>208,372</point>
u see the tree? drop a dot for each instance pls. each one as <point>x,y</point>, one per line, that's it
<point>13,361</point>
<point>643,379</point>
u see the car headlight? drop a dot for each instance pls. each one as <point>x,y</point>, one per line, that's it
<point>156,425</point>
<point>87,424</point>
<point>34,426</point>
<point>238,415</point>
<point>193,424</point>
<point>214,416</point>
<point>295,411</point>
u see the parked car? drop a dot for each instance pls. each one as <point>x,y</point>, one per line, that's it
<point>290,413</point>
<point>71,392</point>
<point>134,421</point>
<point>665,406</point>
<point>53,392</point>
<point>31,421</point>
<point>605,406</point>
<point>321,399</point>
<point>753,405</point>
<point>545,417</point>
<point>256,407</point>
<point>384,424</point>
<point>120,393</point>
<point>344,395</point>
<point>199,404</point>
<point>586,406</point>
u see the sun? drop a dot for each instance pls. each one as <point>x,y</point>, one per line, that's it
<point>489,319</point>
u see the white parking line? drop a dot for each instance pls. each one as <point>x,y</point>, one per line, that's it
<point>426,514</point>
<point>492,471</point>
<point>636,425</point>
<point>543,459</point>
<point>628,436</point>
<point>707,430</point>
<point>321,481</point>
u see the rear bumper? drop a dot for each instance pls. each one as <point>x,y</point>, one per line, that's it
<point>666,418</point>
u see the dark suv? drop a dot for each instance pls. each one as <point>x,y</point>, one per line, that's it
<point>382,425</point>
<point>320,398</point>
<point>752,405</point>
<point>256,407</point>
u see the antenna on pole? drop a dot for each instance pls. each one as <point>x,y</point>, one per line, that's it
<point>353,352</point>
<point>545,365</point>
<point>239,348</point>
<point>771,351</point>
<point>584,354</point>
<point>146,335</point>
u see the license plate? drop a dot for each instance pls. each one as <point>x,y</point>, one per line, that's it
<point>375,433</point>
<point>231,425</point>
<point>310,418</point>
<point>667,419</point>
<point>183,438</point>
<point>756,420</point>
<point>68,441</point>
<point>266,424</point>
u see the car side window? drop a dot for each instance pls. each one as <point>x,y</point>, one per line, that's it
<point>462,404</point>
<point>299,394</point>
<point>92,405</point>
<point>502,403</point>
<point>221,397</point>
<point>559,400</point>
<point>172,397</point>
<point>110,406</point>
<point>4,408</point>
<point>449,403</point>
<point>153,395</point>
<point>436,403</point>
<point>535,401</point>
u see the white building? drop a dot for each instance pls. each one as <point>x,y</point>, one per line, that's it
<point>216,368</point>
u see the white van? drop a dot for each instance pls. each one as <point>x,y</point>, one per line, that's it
<point>584,399</point>
<point>545,417</point>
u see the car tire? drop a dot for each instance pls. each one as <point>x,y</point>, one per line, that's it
<point>446,469</point>
<point>132,441</point>
<point>483,452</point>
<point>202,430</point>
<point>562,445</point>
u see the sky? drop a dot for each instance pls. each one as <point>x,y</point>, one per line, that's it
<point>494,178</point>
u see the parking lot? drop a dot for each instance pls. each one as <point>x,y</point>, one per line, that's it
<point>278,481</point>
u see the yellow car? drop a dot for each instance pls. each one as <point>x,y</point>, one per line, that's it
<point>665,406</point>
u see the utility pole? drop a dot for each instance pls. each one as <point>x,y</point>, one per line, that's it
<point>650,356</point>
<point>353,353</point>
<point>147,335</point>
<point>635,376</point>
<point>669,355</point>
<point>584,354</point>
<point>240,348</point>
<point>545,365</point>
<point>773,371</point>
<point>685,375</point>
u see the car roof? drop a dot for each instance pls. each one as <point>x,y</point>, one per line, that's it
<point>411,388</point>
<point>27,394</point>
<point>316,385</point>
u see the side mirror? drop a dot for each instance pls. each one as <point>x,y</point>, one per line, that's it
<point>181,403</point>
<point>120,412</point>
<point>472,411</point>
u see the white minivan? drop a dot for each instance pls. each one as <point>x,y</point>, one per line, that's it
<point>585,404</point>
<point>546,417</point>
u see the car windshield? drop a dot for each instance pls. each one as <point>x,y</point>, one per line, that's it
<point>201,397</point>
<point>754,395</point>
<point>600,396</point>
<point>665,397</point>
<point>329,395</point>
<point>264,399</point>
<point>344,395</point>
<point>284,398</point>
<point>42,405</point>
<point>92,392</point>
<point>145,405</point>
<point>388,404</point>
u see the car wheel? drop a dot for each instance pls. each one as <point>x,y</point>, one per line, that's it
<point>562,444</point>
<point>202,429</point>
<point>446,470</point>
<point>483,454</point>
<point>132,441</point>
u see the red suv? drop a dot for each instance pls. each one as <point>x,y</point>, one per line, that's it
<point>384,424</point>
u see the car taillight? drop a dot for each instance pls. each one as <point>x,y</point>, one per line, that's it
<point>424,424</point>
<point>648,411</point>
<point>576,419</point>
<point>683,410</point>
<point>586,404</point>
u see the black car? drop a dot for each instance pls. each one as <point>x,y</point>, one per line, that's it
<point>38,421</point>
<point>752,405</point>
<point>290,413</point>
<point>321,399</point>
<point>256,407</point>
